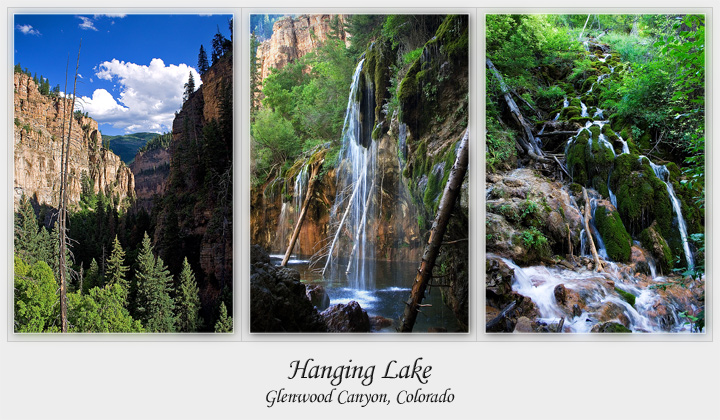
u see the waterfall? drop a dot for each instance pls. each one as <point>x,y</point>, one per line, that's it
<point>662,172</point>
<point>583,107</point>
<point>301,181</point>
<point>354,209</point>
<point>599,244</point>
<point>281,233</point>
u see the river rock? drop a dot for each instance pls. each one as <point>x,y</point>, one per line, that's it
<point>609,327</point>
<point>524,325</point>
<point>378,322</point>
<point>559,293</point>
<point>348,317</point>
<point>317,295</point>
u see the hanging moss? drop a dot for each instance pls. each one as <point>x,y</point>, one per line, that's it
<point>617,240</point>
<point>651,240</point>
<point>624,165</point>
<point>576,160</point>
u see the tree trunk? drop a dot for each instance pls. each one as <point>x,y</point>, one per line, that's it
<point>598,264</point>
<point>527,142</point>
<point>583,29</point>
<point>447,202</point>
<point>62,213</point>
<point>306,203</point>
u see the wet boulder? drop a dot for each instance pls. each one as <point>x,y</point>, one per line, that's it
<point>317,295</point>
<point>348,317</point>
<point>278,302</point>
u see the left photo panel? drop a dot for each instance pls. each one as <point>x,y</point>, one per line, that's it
<point>123,186</point>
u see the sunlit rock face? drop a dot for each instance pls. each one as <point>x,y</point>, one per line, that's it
<point>37,135</point>
<point>293,37</point>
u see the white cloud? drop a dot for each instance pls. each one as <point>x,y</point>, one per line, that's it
<point>80,76</point>
<point>28,30</point>
<point>111,15</point>
<point>87,23</point>
<point>149,95</point>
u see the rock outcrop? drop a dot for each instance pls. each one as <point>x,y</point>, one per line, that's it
<point>293,37</point>
<point>278,300</point>
<point>151,169</point>
<point>37,135</point>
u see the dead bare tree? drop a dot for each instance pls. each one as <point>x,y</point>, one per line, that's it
<point>588,216</point>
<point>63,203</point>
<point>526,142</point>
<point>313,177</point>
<point>447,202</point>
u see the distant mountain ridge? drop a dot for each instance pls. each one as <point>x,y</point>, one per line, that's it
<point>127,145</point>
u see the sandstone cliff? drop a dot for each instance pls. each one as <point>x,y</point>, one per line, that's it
<point>37,134</point>
<point>292,38</point>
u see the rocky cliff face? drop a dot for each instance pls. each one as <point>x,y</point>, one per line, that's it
<point>37,134</point>
<point>151,170</point>
<point>194,217</point>
<point>292,38</point>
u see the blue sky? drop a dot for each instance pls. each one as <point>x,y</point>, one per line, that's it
<point>133,67</point>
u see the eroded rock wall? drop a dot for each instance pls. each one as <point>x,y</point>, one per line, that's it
<point>37,136</point>
<point>292,38</point>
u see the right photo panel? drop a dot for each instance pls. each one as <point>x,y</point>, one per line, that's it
<point>595,173</point>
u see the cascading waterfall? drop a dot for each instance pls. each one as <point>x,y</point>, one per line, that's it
<point>599,243</point>
<point>354,209</point>
<point>540,282</point>
<point>662,172</point>
<point>631,294</point>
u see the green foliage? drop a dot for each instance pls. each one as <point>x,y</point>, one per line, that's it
<point>102,310</point>
<point>304,106</point>
<point>617,240</point>
<point>36,299</point>
<point>203,64</point>
<point>153,305</point>
<point>224,323</point>
<point>92,277</point>
<point>115,270</point>
<point>362,29</point>
<point>128,145</point>
<point>697,322</point>
<point>189,87</point>
<point>188,301</point>
<point>534,239</point>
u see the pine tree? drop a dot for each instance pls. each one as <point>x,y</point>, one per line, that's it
<point>188,304</point>
<point>203,64</point>
<point>154,306</point>
<point>224,324</point>
<point>218,46</point>
<point>115,269</point>
<point>189,87</point>
<point>92,277</point>
<point>26,232</point>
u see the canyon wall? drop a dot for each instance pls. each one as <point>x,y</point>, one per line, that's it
<point>37,136</point>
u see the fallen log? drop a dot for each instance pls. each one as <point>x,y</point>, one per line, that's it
<point>598,264</point>
<point>447,202</point>
<point>301,218</point>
